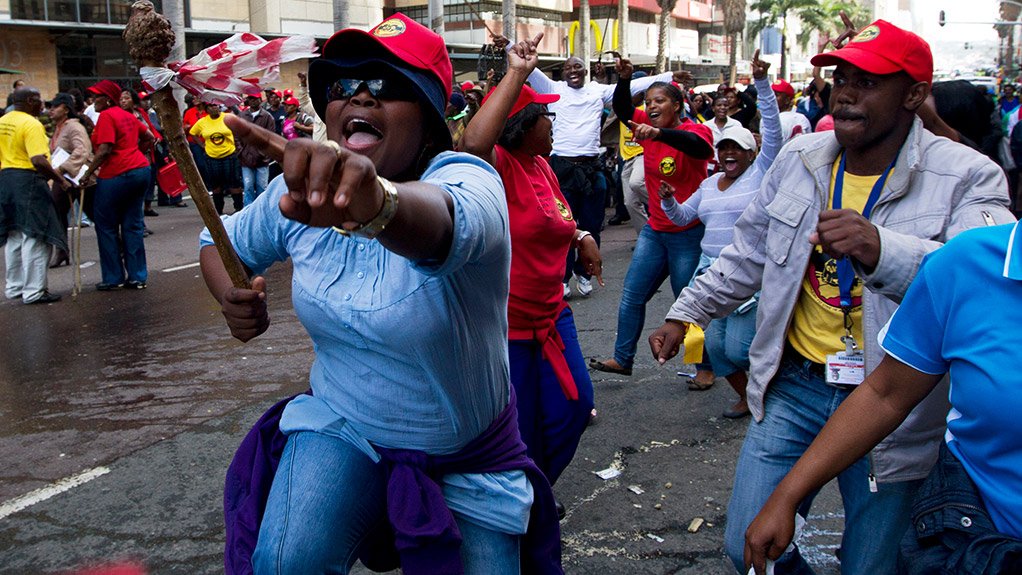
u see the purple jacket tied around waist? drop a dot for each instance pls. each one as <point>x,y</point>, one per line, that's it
<point>424,538</point>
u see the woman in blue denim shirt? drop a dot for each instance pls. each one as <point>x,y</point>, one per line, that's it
<point>408,441</point>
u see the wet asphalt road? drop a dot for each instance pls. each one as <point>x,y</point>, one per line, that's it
<point>120,411</point>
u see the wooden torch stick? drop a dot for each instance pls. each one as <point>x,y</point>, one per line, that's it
<point>173,132</point>
<point>149,37</point>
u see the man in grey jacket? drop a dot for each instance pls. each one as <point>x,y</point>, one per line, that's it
<point>834,238</point>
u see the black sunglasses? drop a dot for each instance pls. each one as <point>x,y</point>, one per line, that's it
<point>380,88</point>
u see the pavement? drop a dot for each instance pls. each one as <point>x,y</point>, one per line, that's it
<point>120,412</point>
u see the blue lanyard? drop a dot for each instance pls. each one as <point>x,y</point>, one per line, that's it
<point>845,272</point>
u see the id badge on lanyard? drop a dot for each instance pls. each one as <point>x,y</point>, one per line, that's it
<point>848,367</point>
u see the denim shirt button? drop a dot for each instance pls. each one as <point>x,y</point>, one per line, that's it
<point>966,522</point>
<point>921,526</point>
<point>347,297</point>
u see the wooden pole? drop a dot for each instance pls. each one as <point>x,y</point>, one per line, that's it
<point>173,131</point>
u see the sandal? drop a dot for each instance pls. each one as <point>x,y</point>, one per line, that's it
<point>696,385</point>
<point>609,366</point>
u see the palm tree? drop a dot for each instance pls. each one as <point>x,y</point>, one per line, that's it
<point>734,23</point>
<point>666,7</point>
<point>816,16</point>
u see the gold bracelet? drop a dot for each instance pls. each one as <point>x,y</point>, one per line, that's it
<point>375,226</point>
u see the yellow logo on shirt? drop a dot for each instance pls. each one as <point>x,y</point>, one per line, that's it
<point>668,166</point>
<point>563,210</point>
<point>390,28</point>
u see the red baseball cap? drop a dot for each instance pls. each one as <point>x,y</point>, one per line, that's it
<point>783,87</point>
<point>291,101</point>
<point>107,88</point>
<point>883,48</point>
<point>528,96</point>
<point>398,42</point>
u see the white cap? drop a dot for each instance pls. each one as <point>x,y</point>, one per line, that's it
<point>739,135</point>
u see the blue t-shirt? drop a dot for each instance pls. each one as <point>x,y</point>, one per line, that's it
<point>409,355</point>
<point>960,316</point>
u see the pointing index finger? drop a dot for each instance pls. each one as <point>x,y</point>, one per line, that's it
<point>264,140</point>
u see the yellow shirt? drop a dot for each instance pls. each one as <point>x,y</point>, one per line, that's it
<point>628,148</point>
<point>22,137</point>
<point>818,324</point>
<point>218,138</point>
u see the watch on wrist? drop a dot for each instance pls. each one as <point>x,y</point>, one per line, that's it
<point>375,226</point>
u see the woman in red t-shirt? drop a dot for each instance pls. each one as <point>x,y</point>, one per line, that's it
<point>676,151</point>
<point>555,394</point>
<point>122,175</point>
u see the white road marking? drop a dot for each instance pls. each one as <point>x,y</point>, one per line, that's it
<point>184,267</point>
<point>43,493</point>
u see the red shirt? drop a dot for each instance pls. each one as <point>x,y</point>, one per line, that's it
<point>666,164</point>
<point>542,231</point>
<point>122,130</point>
<point>191,116</point>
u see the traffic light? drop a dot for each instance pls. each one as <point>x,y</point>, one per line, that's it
<point>943,20</point>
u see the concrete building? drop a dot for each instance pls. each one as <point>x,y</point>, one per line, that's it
<point>60,44</point>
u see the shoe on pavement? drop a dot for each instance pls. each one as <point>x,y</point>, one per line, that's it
<point>618,220</point>
<point>567,290</point>
<point>108,287</point>
<point>134,285</point>
<point>583,285</point>
<point>609,366</point>
<point>47,297</point>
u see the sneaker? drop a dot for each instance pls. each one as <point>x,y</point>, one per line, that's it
<point>134,285</point>
<point>108,287</point>
<point>567,290</point>
<point>584,286</point>
<point>47,297</point>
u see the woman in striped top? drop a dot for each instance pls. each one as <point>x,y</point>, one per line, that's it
<point>718,203</point>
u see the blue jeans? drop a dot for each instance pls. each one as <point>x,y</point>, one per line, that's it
<point>551,425</point>
<point>657,256</point>
<point>797,405</point>
<point>728,339</point>
<point>327,496</point>
<point>254,181</point>
<point>117,214</point>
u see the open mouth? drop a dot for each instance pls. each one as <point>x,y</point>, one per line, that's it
<point>730,164</point>
<point>361,134</point>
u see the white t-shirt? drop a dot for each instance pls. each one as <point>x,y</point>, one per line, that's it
<point>580,111</point>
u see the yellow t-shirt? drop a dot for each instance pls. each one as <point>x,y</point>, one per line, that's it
<point>628,148</point>
<point>22,137</point>
<point>818,324</point>
<point>218,138</point>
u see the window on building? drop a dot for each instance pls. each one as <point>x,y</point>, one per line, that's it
<point>464,11</point>
<point>83,60</point>
<point>86,11</point>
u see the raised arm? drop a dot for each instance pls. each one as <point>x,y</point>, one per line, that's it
<point>483,132</point>
<point>623,91</point>
<point>770,126</point>
<point>684,140</point>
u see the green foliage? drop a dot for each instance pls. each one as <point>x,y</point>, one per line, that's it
<point>821,16</point>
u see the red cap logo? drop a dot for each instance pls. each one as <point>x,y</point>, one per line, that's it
<point>389,28</point>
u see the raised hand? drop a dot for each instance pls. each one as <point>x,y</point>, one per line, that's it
<point>624,68</point>
<point>642,131</point>
<point>327,185</point>
<point>500,41</point>
<point>524,55</point>
<point>683,77</point>
<point>759,67</point>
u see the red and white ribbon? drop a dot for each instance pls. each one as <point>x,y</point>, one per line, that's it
<point>219,73</point>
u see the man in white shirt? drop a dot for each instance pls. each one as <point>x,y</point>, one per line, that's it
<point>575,158</point>
<point>792,123</point>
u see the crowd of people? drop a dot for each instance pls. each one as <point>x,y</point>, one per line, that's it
<point>105,151</point>
<point>801,230</point>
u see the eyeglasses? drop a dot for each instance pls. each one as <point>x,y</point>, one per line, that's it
<point>383,89</point>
